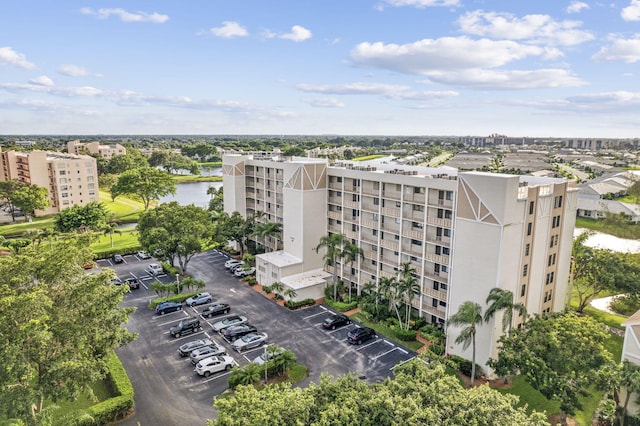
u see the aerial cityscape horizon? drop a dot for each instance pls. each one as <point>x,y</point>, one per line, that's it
<point>380,67</point>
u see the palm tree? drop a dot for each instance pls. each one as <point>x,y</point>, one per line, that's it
<point>334,244</point>
<point>351,253</point>
<point>277,288</point>
<point>110,228</point>
<point>284,361</point>
<point>409,286</point>
<point>290,293</point>
<point>469,316</point>
<point>502,300</point>
<point>389,289</point>
<point>247,375</point>
<point>266,230</point>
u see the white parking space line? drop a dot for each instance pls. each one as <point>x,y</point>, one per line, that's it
<point>166,316</point>
<point>384,353</point>
<point>314,315</point>
<point>388,342</point>
<point>404,362</point>
<point>217,376</point>
<point>169,322</point>
<point>367,345</point>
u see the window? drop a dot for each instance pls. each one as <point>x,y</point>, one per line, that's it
<point>448,195</point>
<point>442,303</point>
<point>436,285</point>
<point>445,251</point>
<point>62,172</point>
<point>416,242</point>
<point>526,249</point>
<point>397,203</point>
<point>550,277</point>
<point>416,225</point>
<point>555,222</point>
<point>375,232</point>
<point>531,207</point>
<point>443,286</point>
<point>339,179</point>
<point>64,187</point>
<point>552,259</point>
<point>354,197</point>
<point>376,201</point>
<point>525,270</point>
<point>63,180</point>
<point>89,178</point>
<point>65,202</point>
<point>65,195</point>
<point>529,228</point>
<point>523,290</point>
<point>417,208</point>
<point>557,202</point>
<point>434,303</point>
<point>91,186</point>
<point>418,190</point>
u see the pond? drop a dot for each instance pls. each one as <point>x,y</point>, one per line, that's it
<point>606,241</point>
<point>192,193</point>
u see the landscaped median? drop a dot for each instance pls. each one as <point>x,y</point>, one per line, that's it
<point>118,406</point>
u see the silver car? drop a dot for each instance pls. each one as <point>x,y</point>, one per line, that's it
<point>206,352</point>
<point>228,322</point>
<point>189,347</point>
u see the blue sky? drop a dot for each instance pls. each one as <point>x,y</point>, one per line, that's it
<point>349,67</point>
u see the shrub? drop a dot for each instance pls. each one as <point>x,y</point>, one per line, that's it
<point>419,323</point>
<point>341,306</point>
<point>625,305</point>
<point>171,270</point>
<point>176,298</point>
<point>437,349</point>
<point>295,305</point>
<point>405,335</point>
<point>464,365</point>
<point>266,289</point>
<point>117,407</point>
<point>251,280</point>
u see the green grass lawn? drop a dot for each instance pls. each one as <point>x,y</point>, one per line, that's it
<point>386,332</point>
<point>210,164</point>
<point>197,178</point>
<point>369,157</point>
<point>101,393</point>
<point>128,238</point>
<point>627,230</point>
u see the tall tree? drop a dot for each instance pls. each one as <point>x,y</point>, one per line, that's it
<point>129,161</point>
<point>469,317</point>
<point>333,245</point>
<point>178,232</point>
<point>351,253</point>
<point>409,287</point>
<point>557,354</point>
<point>235,228</point>
<point>90,217</point>
<point>8,189</point>
<point>148,183</point>
<point>57,327</point>
<point>267,230</point>
<point>29,198</point>
<point>389,288</point>
<point>502,300</point>
<point>111,228</point>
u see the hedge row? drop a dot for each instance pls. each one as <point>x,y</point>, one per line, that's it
<point>120,405</point>
<point>341,306</point>
<point>122,250</point>
<point>176,298</point>
<point>464,365</point>
<point>299,304</point>
<point>405,335</point>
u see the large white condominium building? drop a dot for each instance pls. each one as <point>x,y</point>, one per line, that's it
<point>464,233</point>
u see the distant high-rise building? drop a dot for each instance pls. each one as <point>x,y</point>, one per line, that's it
<point>70,179</point>
<point>463,233</point>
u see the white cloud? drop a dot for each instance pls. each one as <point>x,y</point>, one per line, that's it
<point>43,80</point>
<point>420,4</point>
<point>507,80</point>
<point>75,71</point>
<point>155,18</point>
<point>390,91</point>
<point>297,34</point>
<point>447,53</point>
<point>627,50</point>
<point>533,28</point>
<point>229,29</point>
<point>11,57</point>
<point>577,6</point>
<point>324,102</point>
<point>631,12</point>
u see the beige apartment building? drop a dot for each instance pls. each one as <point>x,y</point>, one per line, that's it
<point>105,151</point>
<point>70,179</point>
<point>464,233</point>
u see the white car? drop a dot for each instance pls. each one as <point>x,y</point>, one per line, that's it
<point>228,322</point>
<point>268,355</point>
<point>199,299</point>
<point>143,255</point>
<point>250,341</point>
<point>241,272</point>
<point>232,262</point>
<point>206,352</point>
<point>154,269</point>
<point>214,364</point>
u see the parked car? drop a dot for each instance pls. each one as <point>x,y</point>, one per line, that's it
<point>235,267</point>
<point>360,334</point>
<point>250,341</point>
<point>214,364</point>
<point>154,269</point>
<point>268,355</point>
<point>229,321</point>
<point>187,348</point>
<point>206,352</point>
<point>133,283</point>
<point>335,321</point>
<point>166,307</point>
<point>241,272</point>
<point>117,258</point>
<point>199,299</point>
<point>215,309</point>
<point>189,325</point>
<point>116,281</point>
<point>89,264</point>
<point>143,255</point>
<point>232,262</point>
<point>231,334</point>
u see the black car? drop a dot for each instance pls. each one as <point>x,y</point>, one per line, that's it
<point>216,309</point>
<point>134,283</point>
<point>234,332</point>
<point>189,325</point>
<point>166,307</point>
<point>360,334</point>
<point>335,321</point>
<point>117,258</point>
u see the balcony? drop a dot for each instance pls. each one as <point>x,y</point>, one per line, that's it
<point>373,239</point>
<point>334,215</point>
<point>335,185</point>
<point>414,215</point>
<point>443,277</point>
<point>415,198</point>
<point>373,224</point>
<point>390,211</point>
<point>437,294</point>
<point>434,311</point>
<point>436,258</point>
<point>394,195</point>
<point>369,190</point>
<point>351,204</point>
<point>441,202</point>
<point>439,239</point>
<point>390,245</point>
<point>335,200</point>
<point>411,233</point>
<point>436,221</point>
<point>351,234</point>
<point>369,207</point>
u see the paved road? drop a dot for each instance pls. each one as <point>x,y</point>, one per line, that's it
<point>168,392</point>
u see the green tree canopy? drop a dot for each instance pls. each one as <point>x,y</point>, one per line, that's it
<point>133,159</point>
<point>92,216</point>
<point>29,198</point>
<point>469,317</point>
<point>558,354</point>
<point>235,228</point>
<point>171,161</point>
<point>418,395</point>
<point>178,232</point>
<point>148,183</point>
<point>57,326</point>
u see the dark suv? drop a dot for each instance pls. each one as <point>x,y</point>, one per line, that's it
<point>189,325</point>
<point>335,321</point>
<point>360,334</point>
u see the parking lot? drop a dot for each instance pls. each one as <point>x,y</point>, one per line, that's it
<point>168,391</point>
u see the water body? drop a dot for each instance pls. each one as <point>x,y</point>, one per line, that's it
<point>192,193</point>
<point>606,241</point>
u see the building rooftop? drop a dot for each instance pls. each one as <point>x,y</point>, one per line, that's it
<point>280,258</point>
<point>306,279</point>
